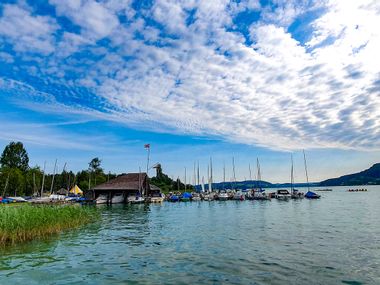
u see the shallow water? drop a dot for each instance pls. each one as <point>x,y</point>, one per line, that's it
<point>329,241</point>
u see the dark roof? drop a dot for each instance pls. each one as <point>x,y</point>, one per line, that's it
<point>129,181</point>
<point>154,187</point>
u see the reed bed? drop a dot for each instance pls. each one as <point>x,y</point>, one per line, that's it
<point>25,222</point>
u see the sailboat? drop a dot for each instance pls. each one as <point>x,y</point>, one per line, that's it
<point>309,194</point>
<point>259,193</point>
<point>295,194</point>
<point>138,197</point>
<point>223,195</point>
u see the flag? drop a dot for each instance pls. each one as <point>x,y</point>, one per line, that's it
<point>147,145</point>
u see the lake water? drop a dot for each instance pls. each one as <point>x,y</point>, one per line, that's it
<point>334,240</point>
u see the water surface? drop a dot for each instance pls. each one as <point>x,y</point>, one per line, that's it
<point>334,240</point>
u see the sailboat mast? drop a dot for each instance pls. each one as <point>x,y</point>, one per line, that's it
<point>307,176</point>
<point>233,171</point>
<point>291,176</point>
<point>258,174</point>
<point>198,173</point>
<point>43,179</point>
<point>52,180</point>
<point>211,178</point>
<point>185,179</point>
<point>224,174</point>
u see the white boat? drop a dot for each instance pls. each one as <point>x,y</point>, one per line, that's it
<point>208,197</point>
<point>117,198</point>
<point>295,194</point>
<point>239,196</point>
<point>18,199</point>
<point>102,199</point>
<point>135,199</point>
<point>222,195</point>
<point>195,197</point>
<point>57,197</point>
<point>156,198</point>
<point>283,194</point>
<point>259,193</point>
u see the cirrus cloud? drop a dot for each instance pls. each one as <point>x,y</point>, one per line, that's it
<point>185,67</point>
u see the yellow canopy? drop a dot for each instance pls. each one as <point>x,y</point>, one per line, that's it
<point>76,190</point>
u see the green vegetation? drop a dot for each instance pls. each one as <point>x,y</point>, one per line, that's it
<point>370,176</point>
<point>166,184</point>
<point>19,223</point>
<point>17,178</point>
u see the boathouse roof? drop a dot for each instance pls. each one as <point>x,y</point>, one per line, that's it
<point>129,181</point>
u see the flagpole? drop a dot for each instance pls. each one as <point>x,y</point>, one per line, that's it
<point>147,162</point>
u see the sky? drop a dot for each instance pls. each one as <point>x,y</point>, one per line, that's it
<point>196,80</point>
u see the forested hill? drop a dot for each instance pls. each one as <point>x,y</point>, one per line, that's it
<point>370,176</point>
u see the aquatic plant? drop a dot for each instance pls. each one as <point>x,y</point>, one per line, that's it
<point>19,223</point>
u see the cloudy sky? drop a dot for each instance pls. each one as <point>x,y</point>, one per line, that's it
<point>85,78</point>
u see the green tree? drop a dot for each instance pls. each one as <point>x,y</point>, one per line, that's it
<point>15,156</point>
<point>12,182</point>
<point>94,165</point>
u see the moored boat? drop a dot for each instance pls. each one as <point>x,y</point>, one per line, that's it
<point>309,194</point>
<point>283,194</point>
<point>239,196</point>
<point>102,199</point>
<point>185,197</point>
<point>222,195</point>
<point>117,198</point>
<point>195,197</point>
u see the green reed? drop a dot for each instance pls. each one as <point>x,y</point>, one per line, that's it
<point>25,222</point>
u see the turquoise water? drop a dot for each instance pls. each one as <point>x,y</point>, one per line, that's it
<point>334,240</point>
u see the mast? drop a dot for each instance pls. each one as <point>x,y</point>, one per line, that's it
<point>307,176</point>
<point>185,179</point>
<point>34,183</point>
<point>292,176</point>
<point>250,172</point>
<point>233,171</point>
<point>198,173</point>
<point>224,174</point>
<point>211,174</point>
<point>203,184</point>
<point>52,180</point>
<point>194,176</point>
<point>43,179</point>
<point>258,174</point>
<point>6,184</point>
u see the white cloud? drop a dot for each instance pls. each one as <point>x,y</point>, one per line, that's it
<point>28,33</point>
<point>203,79</point>
<point>96,20</point>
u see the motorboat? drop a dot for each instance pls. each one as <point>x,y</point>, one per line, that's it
<point>283,194</point>
<point>156,198</point>
<point>208,196</point>
<point>196,197</point>
<point>136,199</point>
<point>185,197</point>
<point>173,198</point>
<point>261,195</point>
<point>102,199</point>
<point>118,198</point>
<point>311,195</point>
<point>239,196</point>
<point>223,195</point>
<point>297,194</point>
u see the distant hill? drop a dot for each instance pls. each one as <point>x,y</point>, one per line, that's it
<point>370,176</point>
<point>249,184</point>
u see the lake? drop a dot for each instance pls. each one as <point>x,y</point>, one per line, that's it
<point>334,240</point>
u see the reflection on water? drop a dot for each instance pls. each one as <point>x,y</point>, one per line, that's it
<point>333,240</point>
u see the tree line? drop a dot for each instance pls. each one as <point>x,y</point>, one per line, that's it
<point>17,178</point>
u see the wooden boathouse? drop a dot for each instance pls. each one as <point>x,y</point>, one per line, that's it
<point>128,184</point>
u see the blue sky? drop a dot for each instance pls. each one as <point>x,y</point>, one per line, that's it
<point>195,79</point>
